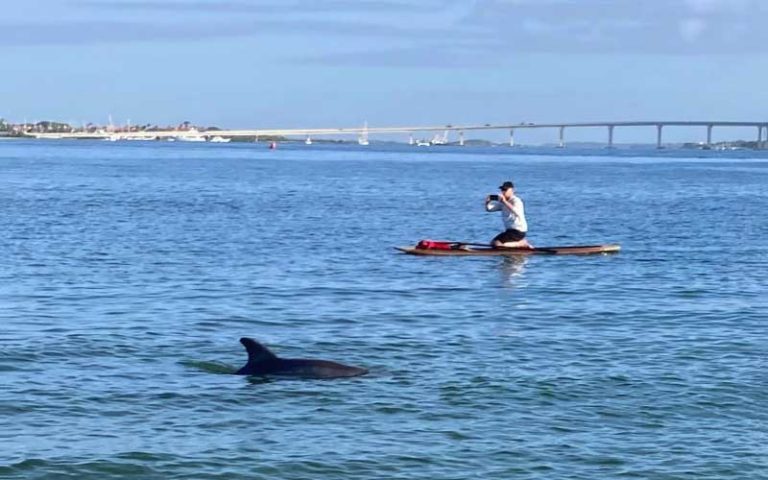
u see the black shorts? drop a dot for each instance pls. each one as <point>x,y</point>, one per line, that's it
<point>510,235</point>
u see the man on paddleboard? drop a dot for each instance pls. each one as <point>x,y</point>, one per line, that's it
<point>512,214</point>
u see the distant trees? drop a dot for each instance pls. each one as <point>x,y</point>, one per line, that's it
<point>52,127</point>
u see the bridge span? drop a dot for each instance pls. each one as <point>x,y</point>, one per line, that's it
<point>708,125</point>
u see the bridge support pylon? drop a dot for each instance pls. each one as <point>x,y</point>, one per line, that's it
<point>658,135</point>
<point>561,143</point>
<point>410,139</point>
<point>765,141</point>
<point>760,136</point>
<point>511,137</point>
<point>610,136</point>
<point>461,138</point>
<point>709,135</point>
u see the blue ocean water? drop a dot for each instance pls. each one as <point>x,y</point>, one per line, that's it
<point>130,271</point>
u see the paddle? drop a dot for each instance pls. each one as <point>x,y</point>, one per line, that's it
<point>470,244</point>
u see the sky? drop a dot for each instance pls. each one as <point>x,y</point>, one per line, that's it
<point>339,63</point>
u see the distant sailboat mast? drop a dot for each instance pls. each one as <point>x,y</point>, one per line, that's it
<point>363,138</point>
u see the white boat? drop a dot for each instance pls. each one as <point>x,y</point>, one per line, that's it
<point>440,140</point>
<point>308,141</point>
<point>190,138</point>
<point>194,136</point>
<point>220,139</point>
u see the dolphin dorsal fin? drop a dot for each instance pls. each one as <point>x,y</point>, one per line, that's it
<point>257,353</point>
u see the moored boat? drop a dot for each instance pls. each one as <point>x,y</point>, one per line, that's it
<point>190,138</point>
<point>191,135</point>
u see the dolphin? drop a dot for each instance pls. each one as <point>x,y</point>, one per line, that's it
<point>263,362</point>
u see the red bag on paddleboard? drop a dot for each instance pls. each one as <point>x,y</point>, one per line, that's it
<point>433,245</point>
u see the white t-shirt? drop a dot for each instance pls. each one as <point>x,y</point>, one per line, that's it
<point>513,219</point>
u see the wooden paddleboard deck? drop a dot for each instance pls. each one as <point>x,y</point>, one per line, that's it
<point>487,252</point>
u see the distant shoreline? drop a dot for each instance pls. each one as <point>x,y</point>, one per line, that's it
<point>187,132</point>
<point>737,145</point>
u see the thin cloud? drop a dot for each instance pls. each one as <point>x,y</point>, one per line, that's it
<point>720,6</point>
<point>600,26</point>
<point>390,20</point>
<point>267,7</point>
<point>692,28</point>
<point>449,31</point>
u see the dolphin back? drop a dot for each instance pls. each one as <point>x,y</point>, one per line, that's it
<point>263,362</point>
<point>317,369</point>
<point>260,359</point>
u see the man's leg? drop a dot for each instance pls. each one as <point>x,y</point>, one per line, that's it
<point>503,240</point>
<point>519,244</point>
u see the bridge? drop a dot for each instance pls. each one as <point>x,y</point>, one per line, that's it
<point>364,131</point>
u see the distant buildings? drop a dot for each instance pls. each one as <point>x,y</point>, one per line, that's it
<point>47,126</point>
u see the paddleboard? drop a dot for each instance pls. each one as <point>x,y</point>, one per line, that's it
<point>464,251</point>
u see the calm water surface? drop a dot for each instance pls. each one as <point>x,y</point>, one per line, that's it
<point>130,271</point>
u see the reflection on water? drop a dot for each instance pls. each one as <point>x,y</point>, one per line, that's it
<point>512,269</point>
<point>210,367</point>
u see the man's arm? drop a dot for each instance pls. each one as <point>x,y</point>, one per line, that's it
<point>513,206</point>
